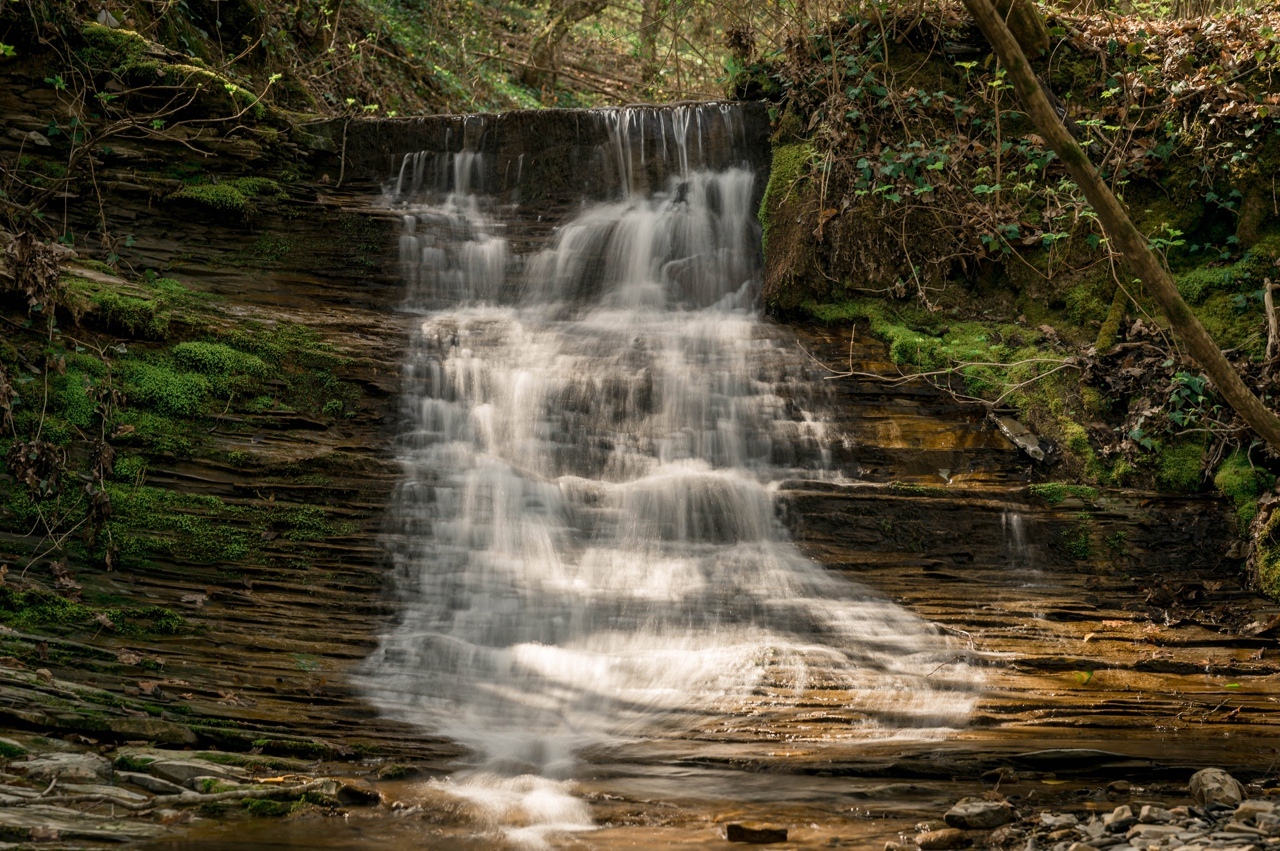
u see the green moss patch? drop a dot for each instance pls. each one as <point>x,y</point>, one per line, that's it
<point>1242,483</point>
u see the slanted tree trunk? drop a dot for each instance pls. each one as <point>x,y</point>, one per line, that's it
<point>542,55</point>
<point>1027,25</point>
<point>1120,230</point>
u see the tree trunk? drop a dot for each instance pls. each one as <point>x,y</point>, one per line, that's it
<point>1120,230</point>
<point>651,15</point>
<point>542,55</point>
<point>1027,25</point>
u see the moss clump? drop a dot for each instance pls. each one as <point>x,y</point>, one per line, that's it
<point>156,433</point>
<point>1243,483</point>
<point>1180,466</point>
<point>1055,493</point>
<point>297,748</point>
<point>165,389</point>
<point>1267,562</point>
<point>263,808</point>
<point>147,522</point>
<point>790,166</point>
<point>125,762</point>
<point>71,400</point>
<point>216,196</point>
<point>238,197</point>
<point>118,51</point>
<point>37,610</point>
<point>226,368</point>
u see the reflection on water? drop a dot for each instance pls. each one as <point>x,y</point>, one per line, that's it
<point>585,543</point>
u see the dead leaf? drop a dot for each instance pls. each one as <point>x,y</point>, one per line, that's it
<point>148,686</point>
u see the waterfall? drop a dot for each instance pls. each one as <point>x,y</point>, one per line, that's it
<point>595,420</point>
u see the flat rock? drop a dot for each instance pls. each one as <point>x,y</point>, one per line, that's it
<point>152,729</point>
<point>940,840</point>
<point>151,784</point>
<point>181,771</point>
<point>1215,786</point>
<point>61,823</point>
<point>755,834</point>
<point>71,767</point>
<point>977,814</point>
<point>99,789</point>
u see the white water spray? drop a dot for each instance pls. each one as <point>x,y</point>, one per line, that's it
<point>585,540</point>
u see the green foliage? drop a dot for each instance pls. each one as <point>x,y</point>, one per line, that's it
<point>1242,483</point>
<point>9,750</point>
<point>1077,541</point>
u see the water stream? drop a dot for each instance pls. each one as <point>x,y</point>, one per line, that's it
<point>595,420</point>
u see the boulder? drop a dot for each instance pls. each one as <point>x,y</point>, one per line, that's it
<point>978,814</point>
<point>1215,786</point>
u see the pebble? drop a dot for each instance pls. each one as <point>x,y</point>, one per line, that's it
<point>1215,824</point>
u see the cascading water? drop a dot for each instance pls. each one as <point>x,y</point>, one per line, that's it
<point>585,541</point>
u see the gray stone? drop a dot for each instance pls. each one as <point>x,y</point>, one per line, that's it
<point>1252,808</point>
<point>1152,831</point>
<point>151,784</point>
<point>181,771</point>
<point>1152,814</point>
<point>1081,846</point>
<point>1052,821</point>
<point>71,767</point>
<point>1119,819</point>
<point>1215,786</point>
<point>977,814</point>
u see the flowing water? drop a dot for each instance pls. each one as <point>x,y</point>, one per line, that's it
<point>595,420</point>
